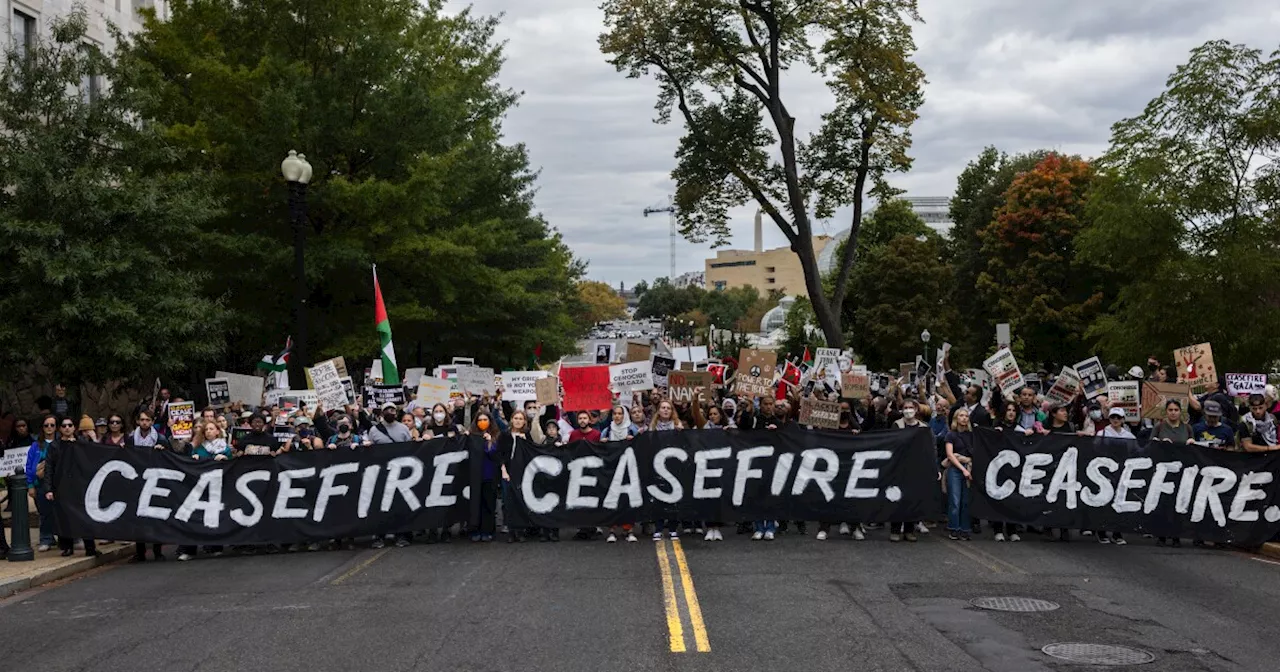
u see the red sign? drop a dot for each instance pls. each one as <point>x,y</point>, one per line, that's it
<point>586,388</point>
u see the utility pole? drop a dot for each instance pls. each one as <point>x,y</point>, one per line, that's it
<point>671,215</point>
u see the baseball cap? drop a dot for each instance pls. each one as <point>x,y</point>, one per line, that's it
<point>302,420</point>
<point>1115,413</point>
<point>245,415</point>
<point>387,405</point>
<point>1212,408</point>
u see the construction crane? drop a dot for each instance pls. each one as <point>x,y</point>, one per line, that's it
<point>671,216</point>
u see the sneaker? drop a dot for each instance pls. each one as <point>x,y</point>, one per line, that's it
<point>822,535</point>
<point>921,528</point>
<point>895,537</point>
<point>1086,533</point>
<point>674,535</point>
<point>709,536</point>
<point>631,538</point>
<point>768,536</point>
<point>911,536</point>
<point>378,543</point>
<point>719,534</point>
<point>313,546</point>
<point>613,539</point>
<point>965,537</point>
<point>757,536</point>
<point>1102,539</point>
<point>688,530</point>
<point>698,530</point>
<point>402,542</point>
<point>488,537</point>
<point>183,557</point>
<point>1015,537</point>
<point>858,534</point>
<point>954,536</point>
<point>999,536</point>
<point>42,547</point>
<point>844,529</point>
<point>657,536</point>
<point>1119,541</point>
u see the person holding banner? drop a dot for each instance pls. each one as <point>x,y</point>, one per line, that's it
<point>664,418</point>
<point>1258,427</point>
<point>1172,427</point>
<point>40,476</point>
<point>59,449</point>
<point>620,429</point>
<point>482,426</point>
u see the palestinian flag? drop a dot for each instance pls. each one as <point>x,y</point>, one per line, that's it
<point>791,373</point>
<point>537,354</point>
<point>390,371</point>
<point>807,360</point>
<point>280,362</point>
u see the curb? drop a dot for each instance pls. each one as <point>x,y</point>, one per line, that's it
<point>1270,549</point>
<point>82,564</point>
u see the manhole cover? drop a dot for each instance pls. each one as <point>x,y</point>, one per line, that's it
<point>1013,604</point>
<point>1098,654</point>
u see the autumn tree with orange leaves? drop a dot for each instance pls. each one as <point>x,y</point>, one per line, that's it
<point>1031,275</point>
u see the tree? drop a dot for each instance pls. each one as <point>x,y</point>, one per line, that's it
<point>601,302</point>
<point>640,288</point>
<point>1187,215</point>
<point>725,307</point>
<point>97,223</point>
<point>902,287</point>
<point>800,329</point>
<point>666,300</point>
<point>980,191</point>
<point>719,67</point>
<point>1032,276</point>
<point>397,106</point>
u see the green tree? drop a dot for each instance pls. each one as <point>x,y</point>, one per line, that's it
<point>640,288</point>
<point>903,287</point>
<point>1032,276</point>
<point>800,330</point>
<point>1187,215</point>
<point>98,224</point>
<point>980,191</point>
<point>725,307</point>
<point>397,106</point>
<point>719,65</point>
<point>666,300</point>
<point>601,303</point>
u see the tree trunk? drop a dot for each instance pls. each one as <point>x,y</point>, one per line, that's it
<point>828,319</point>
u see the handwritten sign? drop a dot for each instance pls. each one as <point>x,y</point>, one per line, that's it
<point>476,380</point>
<point>586,387</point>
<point>631,377</point>
<point>685,385</point>
<point>755,372</point>
<point>182,416</point>
<point>856,383</point>
<point>547,391</point>
<point>328,385</point>
<point>13,460</point>
<point>817,413</point>
<point>1195,366</point>
<point>1245,384</point>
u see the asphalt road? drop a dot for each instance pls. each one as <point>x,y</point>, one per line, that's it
<point>791,604</point>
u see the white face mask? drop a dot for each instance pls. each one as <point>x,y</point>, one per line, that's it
<point>909,413</point>
<point>1095,414</point>
<point>439,417</point>
<point>417,422</point>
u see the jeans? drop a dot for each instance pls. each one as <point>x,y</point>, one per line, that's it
<point>957,501</point>
<point>44,507</point>
<point>765,526</point>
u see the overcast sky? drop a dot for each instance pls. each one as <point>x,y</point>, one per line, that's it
<point>1016,74</point>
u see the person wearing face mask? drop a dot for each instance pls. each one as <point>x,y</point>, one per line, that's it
<point>440,424</point>
<point>482,426</point>
<point>910,419</point>
<point>389,429</point>
<point>345,437</point>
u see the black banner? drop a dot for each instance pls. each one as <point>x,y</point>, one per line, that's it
<point>1122,485</point>
<point>729,476</point>
<point>158,496</point>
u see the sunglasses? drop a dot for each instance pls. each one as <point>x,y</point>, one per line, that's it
<point>116,422</point>
<point>50,424</point>
<point>67,424</point>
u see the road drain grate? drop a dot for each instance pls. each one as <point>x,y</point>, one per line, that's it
<point>1023,604</point>
<point>1098,654</point>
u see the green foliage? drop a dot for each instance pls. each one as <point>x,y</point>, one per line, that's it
<point>666,300</point>
<point>640,288</point>
<point>725,307</point>
<point>719,67</point>
<point>800,329</point>
<point>99,223</point>
<point>903,287</point>
<point>1186,213</point>
<point>397,107</point>
<point>1032,277</point>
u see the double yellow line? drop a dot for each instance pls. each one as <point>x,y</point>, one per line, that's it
<point>675,625</point>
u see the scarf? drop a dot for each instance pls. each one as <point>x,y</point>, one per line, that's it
<point>148,441</point>
<point>618,432</point>
<point>664,425</point>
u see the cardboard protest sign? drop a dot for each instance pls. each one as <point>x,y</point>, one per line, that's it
<point>1093,378</point>
<point>1125,394</point>
<point>1065,387</point>
<point>826,367</point>
<point>685,385</point>
<point>182,419</point>
<point>339,363</point>
<point>13,460</point>
<point>1195,366</point>
<point>586,388</point>
<point>755,372</point>
<point>638,353</point>
<point>328,385</point>
<point>547,391</point>
<point>414,376</point>
<point>521,385</point>
<point>631,377</point>
<point>244,389</point>
<point>905,369</point>
<point>1156,395</point>
<point>1245,384</point>
<point>1005,375</point>
<point>432,391</point>
<point>661,367</point>
<point>824,414</point>
<point>218,390</point>
<point>604,353</point>
<point>1004,335</point>
<point>476,380</point>
<point>856,384</point>
<point>686,366</point>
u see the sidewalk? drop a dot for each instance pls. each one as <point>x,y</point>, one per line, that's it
<point>51,566</point>
<point>1270,549</point>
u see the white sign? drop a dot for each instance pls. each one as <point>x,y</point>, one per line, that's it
<point>329,388</point>
<point>245,389</point>
<point>476,380</point>
<point>375,371</point>
<point>1245,384</point>
<point>13,459</point>
<point>1004,337</point>
<point>432,391</point>
<point>521,385</point>
<point>1065,387</point>
<point>1093,378</point>
<point>1125,394</point>
<point>631,377</point>
<point>218,392</point>
<point>309,398</point>
<point>1004,371</point>
<point>413,376</point>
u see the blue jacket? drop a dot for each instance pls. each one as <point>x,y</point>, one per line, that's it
<point>33,459</point>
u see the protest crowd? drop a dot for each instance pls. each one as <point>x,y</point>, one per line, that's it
<point>750,392</point>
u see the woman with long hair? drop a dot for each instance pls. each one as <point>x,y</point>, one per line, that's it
<point>1174,429</point>
<point>482,425</point>
<point>959,459</point>
<point>619,429</point>
<point>115,434</point>
<point>665,418</point>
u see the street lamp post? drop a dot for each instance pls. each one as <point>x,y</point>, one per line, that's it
<point>297,173</point>
<point>924,338</point>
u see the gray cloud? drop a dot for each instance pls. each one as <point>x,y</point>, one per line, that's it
<point>1018,75</point>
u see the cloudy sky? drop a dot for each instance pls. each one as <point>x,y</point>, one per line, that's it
<point>1016,74</point>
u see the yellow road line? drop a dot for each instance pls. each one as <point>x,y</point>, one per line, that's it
<point>674,628</point>
<point>956,546</point>
<point>996,559</point>
<point>691,599</point>
<point>360,567</point>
